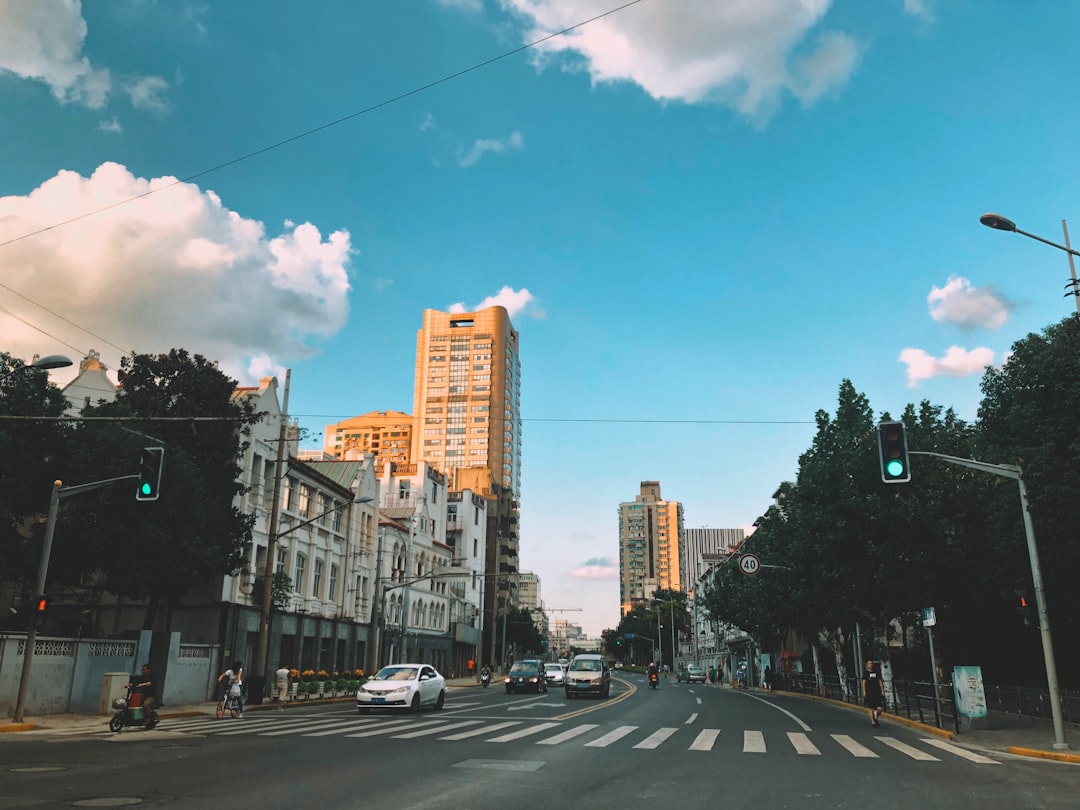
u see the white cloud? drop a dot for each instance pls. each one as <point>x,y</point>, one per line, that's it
<point>473,6</point>
<point>174,269</point>
<point>481,147</point>
<point>427,123</point>
<point>596,568</point>
<point>146,92</point>
<point>112,125</point>
<point>957,362</point>
<point>43,40</point>
<point>919,8</point>
<point>748,55</point>
<point>968,307</point>
<point>516,302</point>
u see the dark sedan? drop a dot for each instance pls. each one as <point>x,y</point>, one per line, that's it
<point>526,676</point>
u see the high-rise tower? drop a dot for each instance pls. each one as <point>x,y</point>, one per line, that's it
<point>650,546</point>
<point>467,407</point>
<point>467,397</point>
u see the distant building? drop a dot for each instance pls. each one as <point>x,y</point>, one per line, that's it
<point>651,555</point>
<point>704,548</point>
<point>387,435</point>
<point>91,386</point>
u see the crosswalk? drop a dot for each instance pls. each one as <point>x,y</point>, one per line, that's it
<point>451,728</point>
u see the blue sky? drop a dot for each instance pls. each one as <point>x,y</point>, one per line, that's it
<point>702,216</point>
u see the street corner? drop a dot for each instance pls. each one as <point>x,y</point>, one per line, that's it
<point>1038,753</point>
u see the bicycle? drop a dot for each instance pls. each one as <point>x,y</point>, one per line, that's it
<point>230,702</point>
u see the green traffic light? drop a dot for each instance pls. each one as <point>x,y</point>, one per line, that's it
<point>895,468</point>
<point>146,488</point>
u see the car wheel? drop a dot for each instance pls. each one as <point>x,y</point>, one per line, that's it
<point>415,705</point>
<point>441,701</point>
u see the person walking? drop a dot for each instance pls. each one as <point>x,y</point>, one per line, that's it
<point>873,693</point>
<point>281,686</point>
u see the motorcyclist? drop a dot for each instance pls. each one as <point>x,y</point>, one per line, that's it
<point>485,673</point>
<point>146,685</point>
<point>653,672</point>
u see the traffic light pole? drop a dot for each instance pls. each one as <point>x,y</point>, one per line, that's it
<point>59,491</point>
<point>1014,471</point>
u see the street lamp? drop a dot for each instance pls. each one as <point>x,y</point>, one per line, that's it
<point>1000,223</point>
<point>48,362</point>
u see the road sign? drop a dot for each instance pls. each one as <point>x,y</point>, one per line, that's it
<point>629,635</point>
<point>749,564</point>
<point>929,617</point>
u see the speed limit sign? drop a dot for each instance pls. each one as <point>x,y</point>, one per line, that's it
<point>749,564</point>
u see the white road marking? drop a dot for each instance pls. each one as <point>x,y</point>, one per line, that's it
<point>656,739</point>
<point>569,734</point>
<point>904,748</point>
<point>611,737</point>
<point>437,730</point>
<point>476,732</point>
<point>963,753</point>
<point>802,744</point>
<point>753,742</point>
<point>389,728</point>
<point>691,719</point>
<point>854,748</point>
<point>525,732</point>
<point>705,740</point>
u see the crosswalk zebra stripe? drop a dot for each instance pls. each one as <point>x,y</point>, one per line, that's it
<point>963,753</point>
<point>753,742</point>
<point>336,725</point>
<point>389,728</point>
<point>611,737</point>
<point>705,740</point>
<point>656,739</point>
<point>691,719</point>
<point>904,748</point>
<point>476,732</point>
<point>569,734</point>
<point>854,748</point>
<point>525,732</point>
<point>354,725</point>
<point>802,745</point>
<point>437,730</point>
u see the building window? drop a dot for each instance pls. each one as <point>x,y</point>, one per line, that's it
<point>331,594</point>
<point>316,585</point>
<point>282,555</point>
<point>301,564</point>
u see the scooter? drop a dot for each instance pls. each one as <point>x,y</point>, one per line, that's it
<point>130,712</point>
<point>485,679</point>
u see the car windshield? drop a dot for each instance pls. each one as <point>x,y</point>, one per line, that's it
<point>586,666</point>
<point>523,667</point>
<point>396,674</point>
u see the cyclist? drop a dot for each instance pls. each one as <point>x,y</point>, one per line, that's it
<point>235,677</point>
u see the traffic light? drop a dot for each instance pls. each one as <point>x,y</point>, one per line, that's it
<point>892,444</point>
<point>1023,606</point>
<point>41,604</point>
<point>150,460</point>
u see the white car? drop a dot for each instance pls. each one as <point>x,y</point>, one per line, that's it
<point>555,674</point>
<point>403,686</point>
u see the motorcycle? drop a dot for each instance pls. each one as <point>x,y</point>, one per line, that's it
<point>485,679</point>
<point>654,679</point>
<point>130,712</point>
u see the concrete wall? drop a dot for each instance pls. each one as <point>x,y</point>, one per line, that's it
<point>67,674</point>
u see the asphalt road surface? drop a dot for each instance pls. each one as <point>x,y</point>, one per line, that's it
<point>683,746</point>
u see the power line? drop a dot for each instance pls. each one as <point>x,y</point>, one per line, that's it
<point>321,127</point>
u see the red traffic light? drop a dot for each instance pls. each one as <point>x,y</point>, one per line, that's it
<point>40,604</point>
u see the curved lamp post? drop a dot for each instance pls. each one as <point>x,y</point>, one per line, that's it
<point>1000,223</point>
<point>48,362</point>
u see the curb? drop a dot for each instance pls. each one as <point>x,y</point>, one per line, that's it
<point>9,727</point>
<point>1037,754</point>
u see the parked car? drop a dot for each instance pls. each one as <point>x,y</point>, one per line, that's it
<point>526,676</point>
<point>692,673</point>
<point>556,675</point>
<point>588,674</point>
<point>403,686</point>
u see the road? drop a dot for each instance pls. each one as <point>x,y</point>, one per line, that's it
<point>683,746</point>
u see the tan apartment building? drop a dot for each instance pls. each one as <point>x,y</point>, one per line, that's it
<point>467,409</point>
<point>386,434</point>
<point>651,555</point>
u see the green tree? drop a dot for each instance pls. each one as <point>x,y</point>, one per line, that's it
<point>31,450</point>
<point>193,534</point>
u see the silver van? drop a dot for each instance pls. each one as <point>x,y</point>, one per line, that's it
<point>588,674</point>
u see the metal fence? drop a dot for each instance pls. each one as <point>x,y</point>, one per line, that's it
<point>1028,702</point>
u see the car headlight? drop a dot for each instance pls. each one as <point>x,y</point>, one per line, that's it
<point>507,679</point>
